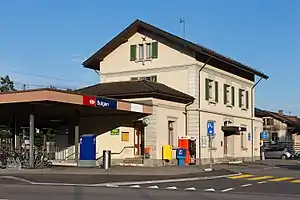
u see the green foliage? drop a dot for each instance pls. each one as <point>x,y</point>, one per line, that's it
<point>6,84</point>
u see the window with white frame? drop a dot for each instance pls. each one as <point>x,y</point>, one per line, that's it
<point>211,90</point>
<point>148,51</point>
<point>148,78</point>
<point>172,136</point>
<point>144,51</point>
<point>243,135</point>
<point>141,51</point>
<point>243,99</point>
<point>229,95</point>
<point>268,121</point>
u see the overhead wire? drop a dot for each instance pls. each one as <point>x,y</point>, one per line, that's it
<point>24,86</point>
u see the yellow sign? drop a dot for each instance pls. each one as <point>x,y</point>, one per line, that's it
<point>125,136</point>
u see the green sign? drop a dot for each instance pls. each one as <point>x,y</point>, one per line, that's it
<point>115,132</point>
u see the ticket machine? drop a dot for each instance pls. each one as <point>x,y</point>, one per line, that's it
<point>188,143</point>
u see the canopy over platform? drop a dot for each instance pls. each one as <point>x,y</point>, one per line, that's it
<point>54,108</point>
<point>57,107</point>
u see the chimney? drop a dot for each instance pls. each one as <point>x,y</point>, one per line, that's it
<point>280,112</point>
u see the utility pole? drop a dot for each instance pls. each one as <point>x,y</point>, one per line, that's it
<point>24,87</point>
<point>182,21</point>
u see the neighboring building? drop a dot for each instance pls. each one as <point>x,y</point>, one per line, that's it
<point>283,129</point>
<point>223,89</point>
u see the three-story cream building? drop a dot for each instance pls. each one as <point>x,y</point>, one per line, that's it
<point>223,90</point>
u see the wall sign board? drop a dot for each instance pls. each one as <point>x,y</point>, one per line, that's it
<point>106,103</point>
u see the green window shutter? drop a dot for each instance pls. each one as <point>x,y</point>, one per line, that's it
<point>216,92</point>
<point>207,89</point>
<point>240,97</point>
<point>247,99</point>
<point>132,52</point>
<point>154,50</point>
<point>225,94</point>
<point>232,96</point>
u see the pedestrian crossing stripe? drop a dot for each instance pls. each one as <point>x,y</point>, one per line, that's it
<point>280,179</point>
<point>296,181</point>
<point>252,177</point>
<point>259,178</point>
<point>241,176</point>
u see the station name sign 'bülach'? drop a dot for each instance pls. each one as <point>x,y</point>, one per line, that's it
<point>99,102</point>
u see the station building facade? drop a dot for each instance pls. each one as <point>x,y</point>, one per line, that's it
<point>188,86</point>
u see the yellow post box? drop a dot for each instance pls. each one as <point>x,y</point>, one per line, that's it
<point>167,152</point>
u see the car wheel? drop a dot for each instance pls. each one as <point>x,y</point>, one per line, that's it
<point>283,157</point>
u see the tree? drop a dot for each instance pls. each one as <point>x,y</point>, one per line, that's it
<point>6,84</point>
<point>52,87</point>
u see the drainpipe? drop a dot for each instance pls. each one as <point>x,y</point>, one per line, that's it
<point>186,117</point>
<point>199,103</point>
<point>252,116</point>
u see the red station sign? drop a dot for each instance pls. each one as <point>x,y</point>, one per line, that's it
<point>89,101</point>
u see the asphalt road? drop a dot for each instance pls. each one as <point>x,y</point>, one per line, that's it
<point>29,192</point>
<point>225,185</point>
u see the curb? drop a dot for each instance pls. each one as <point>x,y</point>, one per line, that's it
<point>116,184</point>
<point>167,180</point>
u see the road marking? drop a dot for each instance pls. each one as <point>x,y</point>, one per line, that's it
<point>135,186</point>
<point>246,185</point>
<point>260,178</point>
<point>111,185</point>
<point>280,179</point>
<point>210,190</point>
<point>241,176</point>
<point>190,189</point>
<point>228,189</point>
<point>262,182</point>
<point>171,188</point>
<point>296,181</point>
<point>17,179</point>
<point>153,187</point>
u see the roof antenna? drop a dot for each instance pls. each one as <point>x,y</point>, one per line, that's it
<point>182,21</point>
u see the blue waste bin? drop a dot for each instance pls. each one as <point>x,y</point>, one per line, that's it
<point>180,155</point>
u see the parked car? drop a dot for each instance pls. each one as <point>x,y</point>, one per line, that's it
<point>278,152</point>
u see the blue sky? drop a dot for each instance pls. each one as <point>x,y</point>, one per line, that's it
<point>44,42</point>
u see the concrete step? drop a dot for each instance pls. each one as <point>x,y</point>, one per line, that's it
<point>63,162</point>
<point>133,161</point>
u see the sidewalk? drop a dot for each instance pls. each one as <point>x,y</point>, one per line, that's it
<point>115,170</point>
<point>151,171</point>
<point>116,174</point>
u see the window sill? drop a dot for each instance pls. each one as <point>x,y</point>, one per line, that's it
<point>212,102</point>
<point>212,148</point>
<point>143,60</point>
<point>244,149</point>
<point>244,109</point>
<point>228,105</point>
